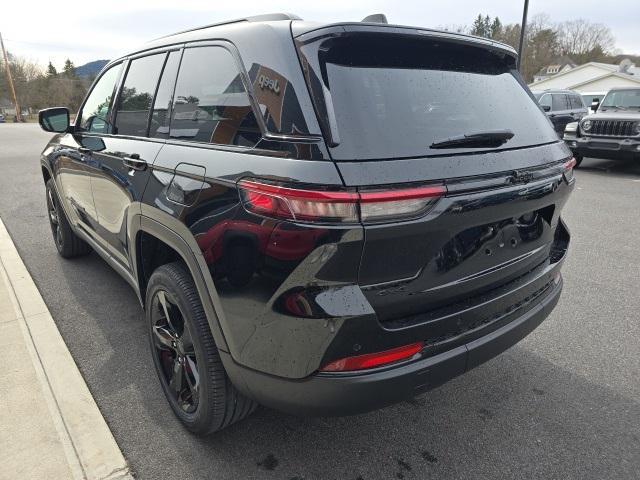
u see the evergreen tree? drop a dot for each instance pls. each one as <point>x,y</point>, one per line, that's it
<point>51,70</point>
<point>477,28</point>
<point>496,28</point>
<point>69,69</point>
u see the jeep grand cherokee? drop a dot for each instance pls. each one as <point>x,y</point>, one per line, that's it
<point>324,219</point>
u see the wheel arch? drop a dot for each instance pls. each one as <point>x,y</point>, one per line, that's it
<point>183,246</point>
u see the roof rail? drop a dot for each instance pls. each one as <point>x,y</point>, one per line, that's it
<point>375,18</point>
<point>267,17</point>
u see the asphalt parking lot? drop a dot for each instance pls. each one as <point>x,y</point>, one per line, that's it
<point>564,403</point>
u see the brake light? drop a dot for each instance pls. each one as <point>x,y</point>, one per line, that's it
<point>568,168</point>
<point>326,206</point>
<point>372,360</point>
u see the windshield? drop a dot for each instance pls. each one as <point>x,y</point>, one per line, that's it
<point>621,100</point>
<point>391,96</point>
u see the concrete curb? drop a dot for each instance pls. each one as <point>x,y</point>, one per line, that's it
<point>89,446</point>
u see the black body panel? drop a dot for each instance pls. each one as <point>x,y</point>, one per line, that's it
<point>468,277</point>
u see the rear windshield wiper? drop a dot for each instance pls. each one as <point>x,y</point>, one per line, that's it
<point>493,138</point>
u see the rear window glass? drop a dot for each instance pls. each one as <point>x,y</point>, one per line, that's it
<point>391,96</point>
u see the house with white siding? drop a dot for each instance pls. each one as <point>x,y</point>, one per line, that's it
<point>592,77</point>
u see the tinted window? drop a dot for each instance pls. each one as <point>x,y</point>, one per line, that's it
<point>137,93</point>
<point>545,100</point>
<point>576,102</point>
<point>388,96</point>
<point>96,111</point>
<point>560,102</point>
<point>162,105</point>
<point>210,102</point>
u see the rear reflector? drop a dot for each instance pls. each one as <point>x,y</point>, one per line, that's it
<point>324,206</point>
<point>372,360</point>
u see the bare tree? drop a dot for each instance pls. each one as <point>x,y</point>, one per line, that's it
<point>581,39</point>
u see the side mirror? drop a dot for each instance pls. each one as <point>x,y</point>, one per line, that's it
<point>54,119</point>
<point>595,104</point>
<point>546,108</point>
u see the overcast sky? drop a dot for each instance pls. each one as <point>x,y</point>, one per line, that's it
<point>84,31</point>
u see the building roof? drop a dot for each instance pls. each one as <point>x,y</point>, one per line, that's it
<point>561,61</point>
<point>624,76</point>
<point>607,69</point>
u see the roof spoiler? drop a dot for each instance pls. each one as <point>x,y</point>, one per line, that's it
<point>375,18</point>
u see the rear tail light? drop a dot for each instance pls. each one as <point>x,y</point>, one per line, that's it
<point>372,360</point>
<point>568,168</point>
<point>411,202</point>
<point>299,205</point>
<point>324,206</point>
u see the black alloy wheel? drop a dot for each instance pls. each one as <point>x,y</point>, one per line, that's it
<point>175,351</point>
<point>54,218</point>
<point>185,354</point>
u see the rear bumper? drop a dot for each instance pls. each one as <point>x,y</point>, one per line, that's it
<point>344,394</point>
<point>609,148</point>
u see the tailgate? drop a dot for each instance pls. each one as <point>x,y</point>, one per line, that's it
<point>484,233</point>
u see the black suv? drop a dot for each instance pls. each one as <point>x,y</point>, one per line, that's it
<point>612,132</point>
<point>324,219</point>
<point>562,107</point>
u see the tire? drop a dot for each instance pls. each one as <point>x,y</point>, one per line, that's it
<point>186,357</point>
<point>69,245</point>
<point>578,160</point>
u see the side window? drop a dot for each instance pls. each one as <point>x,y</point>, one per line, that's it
<point>576,102</point>
<point>210,102</point>
<point>96,110</point>
<point>138,90</point>
<point>545,100</point>
<point>162,105</point>
<point>560,102</point>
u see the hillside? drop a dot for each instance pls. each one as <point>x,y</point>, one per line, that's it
<point>91,69</point>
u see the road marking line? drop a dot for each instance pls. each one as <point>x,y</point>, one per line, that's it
<point>89,446</point>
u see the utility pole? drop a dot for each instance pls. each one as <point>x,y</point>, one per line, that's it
<point>10,79</point>
<point>523,28</point>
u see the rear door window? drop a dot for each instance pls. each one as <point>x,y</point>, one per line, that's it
<point>210,102</point>
<point>576,102</point>
<point>560,102</point>
<point>383,96</point>
<point>136,96</point>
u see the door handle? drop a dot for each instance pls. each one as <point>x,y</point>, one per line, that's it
<point>134,162</point>
<point>84,150</point>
